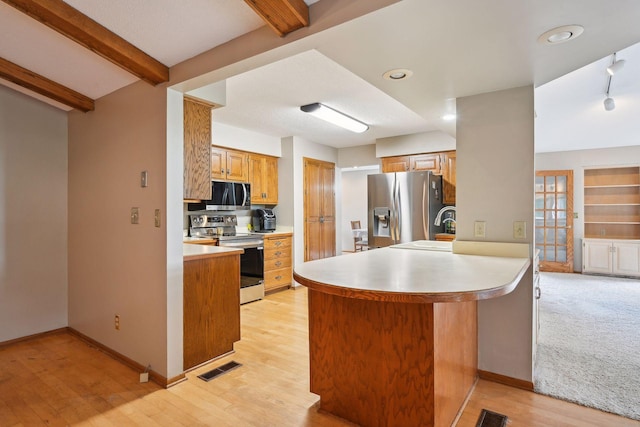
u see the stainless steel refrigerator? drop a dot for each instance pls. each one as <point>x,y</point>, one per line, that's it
<point>402,207</point>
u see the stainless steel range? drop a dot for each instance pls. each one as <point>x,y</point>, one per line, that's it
<point>223,226</point>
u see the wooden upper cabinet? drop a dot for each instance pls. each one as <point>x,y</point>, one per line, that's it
<point>197,144</point>
<point>263,177</point>
<point>439,163</point>
<point>426,162</point>
<point>396,164</point>
<point>229,165</point>
<point>449,177</point>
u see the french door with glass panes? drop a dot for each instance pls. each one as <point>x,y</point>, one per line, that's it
<point>554,220</point>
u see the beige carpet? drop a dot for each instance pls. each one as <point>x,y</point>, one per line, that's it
<point>589,342</point>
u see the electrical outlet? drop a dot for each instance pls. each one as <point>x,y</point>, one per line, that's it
<point>479,229</point>
<point>135,216</point>
<point>116,322</point>
<point>519,230</point>
<point>157,218</point>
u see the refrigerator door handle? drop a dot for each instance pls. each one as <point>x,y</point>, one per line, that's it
<point>425,222</point>
<point>398,214</point>
<point>392,215</point>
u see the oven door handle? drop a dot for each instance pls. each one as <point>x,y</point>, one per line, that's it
<point>243,245</point>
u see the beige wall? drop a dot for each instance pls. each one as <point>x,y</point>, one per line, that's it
<point>116,267</point>
<point>424,142</point>
<point>33,216</point>
<point>495,176</point>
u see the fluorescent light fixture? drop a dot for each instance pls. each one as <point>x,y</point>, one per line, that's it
<point>609,104</point>
<point>335,117</point>
<point>449,117</point>
<point>616,66</point>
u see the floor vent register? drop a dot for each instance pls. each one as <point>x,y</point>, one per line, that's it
<point>491,419</point>
<point>214,373</point>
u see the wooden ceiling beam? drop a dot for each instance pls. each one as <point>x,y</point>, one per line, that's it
<point>283,16</point>
<point>42,85</point>
<point>59,16</point>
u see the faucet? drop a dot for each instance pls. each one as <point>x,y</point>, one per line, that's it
<point>443,210</point>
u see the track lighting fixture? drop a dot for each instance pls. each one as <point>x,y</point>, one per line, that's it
<point>335,117</point>
<point>616,66</point>
<point>609,103</point>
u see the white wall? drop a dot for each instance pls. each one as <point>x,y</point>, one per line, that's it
<point>33,216</point>
<point>578,161</point>
<point>495,179</point>
<point>244,140</point>
<point>354,203</point>
<point>424,142</point>
<point>362,155</point>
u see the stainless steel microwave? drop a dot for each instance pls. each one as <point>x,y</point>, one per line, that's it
<point>226,196</point>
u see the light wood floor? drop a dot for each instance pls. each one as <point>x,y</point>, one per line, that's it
<point>58,380</point>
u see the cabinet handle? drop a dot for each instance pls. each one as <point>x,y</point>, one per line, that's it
<point>278,253</point>
<point>278,243</point>
<point>222,171</point>
<point>538,293</point>
<point>228,171</point>
<point>278,277</point>
<point>278,264</point>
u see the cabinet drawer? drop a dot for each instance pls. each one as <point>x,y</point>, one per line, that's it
<point>276,243</point>
<point>277,253</point>
<point>277,278</point>
<point>274,264</point>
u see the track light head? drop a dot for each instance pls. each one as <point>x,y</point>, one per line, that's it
<point>609,104</point>
<point>615,67</point>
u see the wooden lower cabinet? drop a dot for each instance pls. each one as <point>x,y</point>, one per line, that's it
<point>278,272</point>
<point>211,304</point>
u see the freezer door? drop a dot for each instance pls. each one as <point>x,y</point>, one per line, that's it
<point>381,215</point>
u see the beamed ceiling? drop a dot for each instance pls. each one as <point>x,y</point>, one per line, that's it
<point>283,16</point>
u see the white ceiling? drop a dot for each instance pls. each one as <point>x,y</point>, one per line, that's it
<point>454,49</point>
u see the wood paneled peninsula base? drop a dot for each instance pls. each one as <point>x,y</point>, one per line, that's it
<point>393,332</point>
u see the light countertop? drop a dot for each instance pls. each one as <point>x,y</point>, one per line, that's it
<point>192,252</point>
<point>409,275</point>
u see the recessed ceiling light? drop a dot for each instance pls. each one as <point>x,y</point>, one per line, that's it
<point>561,34</point>
<point>398,74</point>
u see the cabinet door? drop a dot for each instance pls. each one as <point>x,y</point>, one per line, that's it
<point>197,145</point>
<point>256,164</point>
<point>263,176</point>
<point>218,163</point>
<point>597,257</point>
<point>626,258</point>
<point>449,177</point>
<point>426,162</point>
<point>237,167</point>
<point>270,180</point>
<point>396,164</point>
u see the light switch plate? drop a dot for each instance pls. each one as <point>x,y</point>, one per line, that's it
<point>144,179</point>
<point>135,216</point>
<point>157,218</point>
<point>519,229</point>
<point>479,229</point>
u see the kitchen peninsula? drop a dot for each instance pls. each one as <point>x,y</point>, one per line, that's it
<point>211,302</point>
<point>393,331</point>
